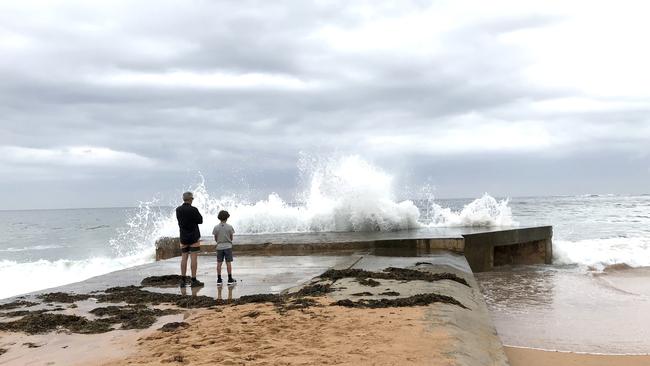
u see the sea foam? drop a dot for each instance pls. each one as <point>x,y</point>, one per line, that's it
<point>601,253</point>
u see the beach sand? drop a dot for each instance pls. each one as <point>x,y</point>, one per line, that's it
<point>532,357</point>
<point>256,334</point>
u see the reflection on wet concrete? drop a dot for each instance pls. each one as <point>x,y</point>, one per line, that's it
<point>518,289</point>
<point>568,309</point>
<point>220,292</point>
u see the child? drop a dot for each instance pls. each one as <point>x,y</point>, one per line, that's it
<point>223,235</point>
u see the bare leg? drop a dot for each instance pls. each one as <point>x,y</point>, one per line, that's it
<point>229,268</point>
<point>219,268</point>
<point>183,264</point>
<point>195,265</point>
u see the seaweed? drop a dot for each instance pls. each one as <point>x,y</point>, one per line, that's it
<point>317,289</point>
<point>299,304</point>
<point>136,295</point>
<point>415,300</point>
<point>39,323</point>
<point>132,317</point>
<point>63,297</point>
<point>368,282</point>
<point>170,327</point>
<point>2,351</point>
<point>17,313</point>
<point>391,273</point>
<point>362,294</point>
<point>390,293</point>
<point>252,314</point>
<point>17,304</point>
<point>162,281</point>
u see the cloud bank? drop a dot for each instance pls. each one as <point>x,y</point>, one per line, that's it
<point>516,97</point>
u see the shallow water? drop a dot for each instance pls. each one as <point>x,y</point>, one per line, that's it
<point>563,308</point>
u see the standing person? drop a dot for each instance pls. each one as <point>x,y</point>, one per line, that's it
<point>189,219</point>
<point>223,235</point>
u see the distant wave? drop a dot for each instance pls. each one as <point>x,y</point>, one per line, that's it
<point>97,227</point>
<point>37,247</point>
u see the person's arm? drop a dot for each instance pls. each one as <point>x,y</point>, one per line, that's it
<point>232,234</point>
<point>215,231</point>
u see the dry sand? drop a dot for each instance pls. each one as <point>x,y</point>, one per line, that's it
<point>532,357</point>
<point>256,334</point>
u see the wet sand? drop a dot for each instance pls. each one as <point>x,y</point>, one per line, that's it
<point>256,334</point>
<point>532,357</point>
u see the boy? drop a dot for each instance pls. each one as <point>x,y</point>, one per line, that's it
<point>223,235</point>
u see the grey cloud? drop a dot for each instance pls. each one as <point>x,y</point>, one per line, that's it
<point>54,93</point>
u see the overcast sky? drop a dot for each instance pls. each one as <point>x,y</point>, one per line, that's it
<point>107,104</point>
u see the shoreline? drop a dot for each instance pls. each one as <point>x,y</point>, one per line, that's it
<point>522,356</point>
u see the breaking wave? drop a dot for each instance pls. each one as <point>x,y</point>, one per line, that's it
<point>600,254</point>
<point>341,194</point>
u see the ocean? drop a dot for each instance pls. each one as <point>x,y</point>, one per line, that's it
<point>47,248</point>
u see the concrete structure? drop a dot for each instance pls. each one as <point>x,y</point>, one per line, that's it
<point>473,340</point>
<point>483,248</point>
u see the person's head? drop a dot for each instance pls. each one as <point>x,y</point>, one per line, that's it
<point>188,197</point>
<point>223,215</point>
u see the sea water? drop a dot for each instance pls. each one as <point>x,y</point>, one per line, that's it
<point>46,248</point>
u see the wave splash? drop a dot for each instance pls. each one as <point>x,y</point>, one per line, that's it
<point>341,194</point>
<point>600,254</point>
<point>482,212</point>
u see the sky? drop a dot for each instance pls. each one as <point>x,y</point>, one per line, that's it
<point>104,104</point>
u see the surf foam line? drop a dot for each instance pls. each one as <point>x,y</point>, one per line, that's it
<point>43,274</point>
<point>601,253</point>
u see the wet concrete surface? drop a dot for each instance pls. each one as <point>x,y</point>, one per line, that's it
<point>454,307</point>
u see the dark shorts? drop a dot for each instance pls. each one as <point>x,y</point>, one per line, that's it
<point>225,253</point>
<point>189,249</point>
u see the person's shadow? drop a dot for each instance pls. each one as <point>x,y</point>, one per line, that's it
<point>220,292</point>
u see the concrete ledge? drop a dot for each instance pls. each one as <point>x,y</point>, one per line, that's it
<point>483,249</point>
<point>517,246</point>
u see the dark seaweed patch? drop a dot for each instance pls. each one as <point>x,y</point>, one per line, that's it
<point>300,303</point>
<point>362,294</point>
<point>252,314</point>
<point>17,313</point>
<point>2,351</point>
<point>170,327</point>
<point>32,345</point>
<point>390,293</point>
<point>38,323</point>
<point>423,263</point>
<point>162,281</point>
<point>317,289</point>
<point>63,297</point>
<point>416,300</point>
<point>132,317</point>
<point>17,304</point>
<point>258,299</point>
<point>392,273</point>
<point>136,295</point>
<point>368,282</point>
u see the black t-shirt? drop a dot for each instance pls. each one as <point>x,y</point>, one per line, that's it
<point>189,219</point>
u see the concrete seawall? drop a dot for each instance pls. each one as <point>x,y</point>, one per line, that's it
<point>484,249</point>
